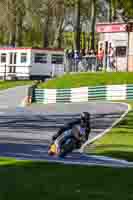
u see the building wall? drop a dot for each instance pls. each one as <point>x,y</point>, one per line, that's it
<point>46,69</point>
<point>18,68</point>
<point>29,68</point>
<point>117,39</point>
<point>130,56</point>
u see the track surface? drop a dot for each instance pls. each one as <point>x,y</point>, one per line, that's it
<point>25,132</point>
<point>28,125</point>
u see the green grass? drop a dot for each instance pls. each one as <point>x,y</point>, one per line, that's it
<point>118,142</point>
<point>25,180</point>
<point>9,84</point>
<point>89,79</point>
<point>40,181</point>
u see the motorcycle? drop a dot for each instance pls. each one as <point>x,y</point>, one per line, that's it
<point>63,145</point>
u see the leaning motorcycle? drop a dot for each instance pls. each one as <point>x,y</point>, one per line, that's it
<point>63,145</point>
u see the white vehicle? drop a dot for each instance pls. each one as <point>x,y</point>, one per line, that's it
<point>30,63</point>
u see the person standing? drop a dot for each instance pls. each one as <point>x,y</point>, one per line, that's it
<point>111,58</point>
<point>100,57</point>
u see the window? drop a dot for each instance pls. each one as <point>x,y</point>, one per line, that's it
<point>57,59</point>
<point>3,58</point>
<point>121,51</point>
<point>23,57</point>
<point>12,69</point>
<point>40,58</point>
<point>13,58</point>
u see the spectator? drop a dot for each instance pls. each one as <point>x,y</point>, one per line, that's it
<point>86,51</point>
<point>82,52</point>
<point>77,58</point>
<point>69,62</point>
<point>92,60</point>
<point>100,57</point>
<point>70,54</point>
<point>111,54</point>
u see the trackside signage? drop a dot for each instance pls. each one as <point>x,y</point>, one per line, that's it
<point>110,28</point>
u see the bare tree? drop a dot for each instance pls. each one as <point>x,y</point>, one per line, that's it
<point>77,24</point>
<point>93,22</point>
<point>59,12</point>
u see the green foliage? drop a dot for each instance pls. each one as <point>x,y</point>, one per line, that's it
<point>30,22</point>
<point>127,6</point>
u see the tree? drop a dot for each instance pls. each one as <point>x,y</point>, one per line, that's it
<point>93,22</point>
<point>77,24</point>
<point>21,11</point>
<point>41,23</point>
<point>126,8</point>
<point>14,11</point>
<point>15,15</point>
<point>58,26</point>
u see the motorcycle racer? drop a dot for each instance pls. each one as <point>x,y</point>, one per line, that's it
<point>80,130</point>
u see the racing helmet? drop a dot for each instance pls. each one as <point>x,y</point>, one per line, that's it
<point>85,116</point>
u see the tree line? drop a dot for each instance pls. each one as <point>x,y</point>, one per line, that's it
<point>41,23</point>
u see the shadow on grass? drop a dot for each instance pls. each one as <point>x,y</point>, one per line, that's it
<point>124,155</point>
<point>127,120</point>
<point>37,180</point>
<point>115,151</point>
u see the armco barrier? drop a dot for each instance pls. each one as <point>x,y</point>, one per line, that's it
<point>31,92</point>
<point>83,94</point>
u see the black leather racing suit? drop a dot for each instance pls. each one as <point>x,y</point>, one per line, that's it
<point>69,126</point>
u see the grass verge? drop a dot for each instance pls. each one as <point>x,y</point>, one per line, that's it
<point>118,143</point>
<point>39,181</point>
<point>9,84</point>
<point>89,79</point>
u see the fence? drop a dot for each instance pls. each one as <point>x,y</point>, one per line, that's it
<point>84,64</point>
<point>90,63</point>
<point>83,94</point>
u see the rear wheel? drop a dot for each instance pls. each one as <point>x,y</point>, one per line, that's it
<point>67,147</point>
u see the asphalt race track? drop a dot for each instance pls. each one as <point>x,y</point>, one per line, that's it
<point>26,132</point>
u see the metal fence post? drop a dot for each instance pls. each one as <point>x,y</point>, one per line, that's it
<point>31,92</point>
<point>5,73</point>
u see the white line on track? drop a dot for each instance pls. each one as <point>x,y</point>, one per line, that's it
<point>108,129</point>
<point>1,113</point>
